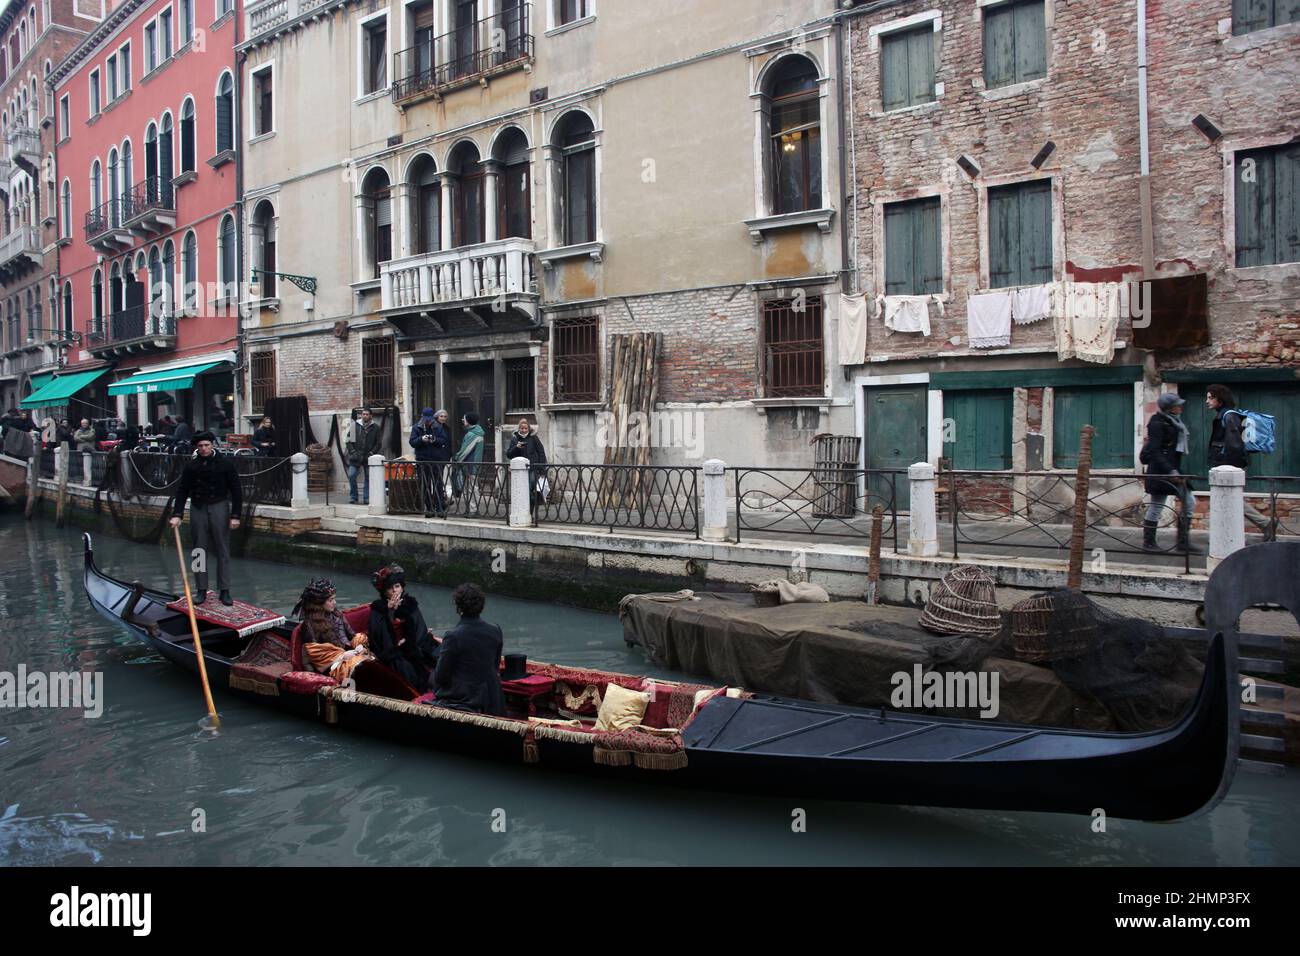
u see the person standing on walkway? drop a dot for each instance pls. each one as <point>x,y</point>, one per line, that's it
<point>524,443</point>
<point>211,485</point>
<point>264,437</point>
<point>1167,442</point>
<point>1227,447</point>
<point>432,444</point>
<point>84,436</point>
<point>363,443</point>
<point>467,456</point>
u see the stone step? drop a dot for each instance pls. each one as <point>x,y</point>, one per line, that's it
<point>348,525</point>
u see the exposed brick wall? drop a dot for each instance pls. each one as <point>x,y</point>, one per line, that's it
<point>323,367</point>
<point>709,346</point>
<point>1034,410</point>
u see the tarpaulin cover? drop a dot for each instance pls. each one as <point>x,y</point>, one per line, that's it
<point>845,652</point>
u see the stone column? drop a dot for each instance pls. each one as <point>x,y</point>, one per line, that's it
<point>378,485</point>
<point>1227,513</point>
<point>60,452</point>
<point>923,529</point>
<point>521,515</point>
<point>298,466</point>
<point>713,494</point>
<point>450,185</point>
<point>491,188</point>
<point>404,241</point>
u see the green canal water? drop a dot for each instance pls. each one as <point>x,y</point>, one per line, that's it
<point>124,788</point>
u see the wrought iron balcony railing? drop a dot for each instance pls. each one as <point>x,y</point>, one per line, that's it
<point>464,54</point>
<point>153,194</point>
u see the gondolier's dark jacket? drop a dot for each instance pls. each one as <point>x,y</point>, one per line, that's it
<point>469,668</point>
<point>206,480</point>
<point>415,658</point>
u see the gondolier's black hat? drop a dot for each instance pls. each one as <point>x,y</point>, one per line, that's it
<point>516,667</point>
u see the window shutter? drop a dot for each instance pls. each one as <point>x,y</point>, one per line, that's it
<point>999,46</point>
<point>928,277</point>
<point>893,71</point>
<point>1004,238</point>
<point>920,58</point>
<point>1287,165</point>
<point>384,210</point>
<point>223,122</point>
<point>165,163</point>
<point>1030,32</point>
<point>1250,15</point>
<point>898,249</point>
<point>1035,232</point>
<point>1254,209</point>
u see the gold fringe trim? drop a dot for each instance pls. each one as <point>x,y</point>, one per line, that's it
<point>266,688</point>
<point>348,696</point>
<point>675,761</point>
<point>611,758</point>
<point>563,734</point>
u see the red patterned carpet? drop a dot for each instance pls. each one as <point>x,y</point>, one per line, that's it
<point>244,618</point>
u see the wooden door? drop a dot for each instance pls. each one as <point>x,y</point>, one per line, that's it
<point>472,386</point>
<point>895,433</point>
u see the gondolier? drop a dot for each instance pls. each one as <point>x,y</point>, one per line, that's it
<point>211,485</point>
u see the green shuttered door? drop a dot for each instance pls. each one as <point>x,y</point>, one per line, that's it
<point>1279,399</point>
<point>979,422</point>
<point>1108,410</point>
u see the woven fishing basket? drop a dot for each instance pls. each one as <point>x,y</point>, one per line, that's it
<point>320,464</point>
<point>964,601</point>
<point>1030,623</point>
<point>765,596</point>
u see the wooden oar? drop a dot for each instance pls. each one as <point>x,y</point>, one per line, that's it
<point>194,629</point>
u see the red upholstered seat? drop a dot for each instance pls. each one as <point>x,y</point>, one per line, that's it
<point>305,682</point>
<point>358,619</point>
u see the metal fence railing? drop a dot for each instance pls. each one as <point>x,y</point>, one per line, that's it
<point>825,500</point>
<point>1281,498</point>
<point>448,489</point>
<point>265,481</point>
<point>649,497</point>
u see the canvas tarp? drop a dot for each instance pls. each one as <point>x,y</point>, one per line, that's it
<point>842,652</point>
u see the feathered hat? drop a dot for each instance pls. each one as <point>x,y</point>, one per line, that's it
<point>317,592</point>
<point>387,576</point>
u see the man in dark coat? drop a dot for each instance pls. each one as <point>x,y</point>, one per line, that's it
<point>363,443</point>
<point>211,485</point>
<point>431,440</point>
<point>397,633</point>
<point>1167,442</point>
<point>468,676</point>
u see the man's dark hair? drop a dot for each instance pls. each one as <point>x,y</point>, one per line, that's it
<point>469,600</point>
<point>1223,395</point>
<point>471,418</point>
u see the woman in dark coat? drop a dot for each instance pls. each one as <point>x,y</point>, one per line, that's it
<point>397,633</point>
<point>524,443</point>
<point>431,440</point>
<point>1167,442</point>
<point>264,437</point>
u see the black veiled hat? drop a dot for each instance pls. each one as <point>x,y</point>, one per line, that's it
<point>317,592</point>
<point>387,576</point>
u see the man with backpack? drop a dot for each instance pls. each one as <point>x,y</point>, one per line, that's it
<point>1228,444</point>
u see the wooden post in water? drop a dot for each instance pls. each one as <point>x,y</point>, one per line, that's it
<point>33,482</point>
<point>873,564</point>
<point>1074,577</point>
<point>61,509</point>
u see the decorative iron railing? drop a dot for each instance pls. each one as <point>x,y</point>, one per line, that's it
<point>149,195</point>
<point>825,500</point>
<point>463,54</point>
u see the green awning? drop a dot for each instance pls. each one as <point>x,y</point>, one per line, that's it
<point>41,379</point>
<point>1037,377</point>
<point>58,390</point>
<point>172,380</point>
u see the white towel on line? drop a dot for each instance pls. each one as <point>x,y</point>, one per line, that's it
<point>908,313</point>
<point>853,329</point>
<point>1087,318</point>
<point>1031,304</point>
<point>988,320</point>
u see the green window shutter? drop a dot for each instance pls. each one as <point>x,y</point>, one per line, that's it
<point>1253,208</point>
<point>1110,412</point>
<point>1004,237</point>
<point>981,427</point>
<point>1282,401</point>
<point>920,60</point>
<point>927,256</point>
<point>999,46</point>
<point>1035,232</point>
<point>1251,15</point>
<point>898,249</point>
<point>1287,217</point>
<point>893,71</point>
<point>1030,40</point>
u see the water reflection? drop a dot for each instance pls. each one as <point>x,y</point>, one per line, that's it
<point>123,789</point>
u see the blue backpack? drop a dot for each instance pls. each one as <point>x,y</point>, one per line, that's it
<point>1257,431</point>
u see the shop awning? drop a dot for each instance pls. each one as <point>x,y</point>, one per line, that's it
<point>172,380</point>
<point>41,379</point>
<point>57,391</point>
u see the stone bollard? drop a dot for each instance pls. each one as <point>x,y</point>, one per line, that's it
<point>1227,513</point>
<point>714,497</point>
<point>87,467</point>
<point>60,452</point>
<point>298,466</point>
<point>520,514</point>
<point>378,485</point>
<point>923,528</point>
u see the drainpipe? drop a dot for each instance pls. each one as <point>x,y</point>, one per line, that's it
<point>843,120</point>
<point>1144,182</point>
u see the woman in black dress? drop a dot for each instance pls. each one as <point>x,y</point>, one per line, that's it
<point>1167,442</point>
<point>397,632</point>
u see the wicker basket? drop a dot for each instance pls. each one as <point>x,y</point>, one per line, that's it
<point>320,464</point>
<point>766,597</point>
<point>964,601</point>
<point>1030,620</point>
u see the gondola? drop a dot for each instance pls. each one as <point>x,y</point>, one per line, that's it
<point>725,739</point>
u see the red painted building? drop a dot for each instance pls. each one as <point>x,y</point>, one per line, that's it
<point>148,186</point>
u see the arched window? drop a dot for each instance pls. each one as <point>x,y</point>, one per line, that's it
<point>378,241</point>
<point>152,190</point>
<point>156,316</point>
<point>169,278</point>
<point>467,225</point>
<point>65,209</point>
<point>225,113</point>
<point>49,93</point>
<point>96,189</point>
<point>264,239</point>
<point>426,205</point>
<point>112,188</point>
<point>127,168</point>
<point>68,324</point>
<point>514,208</point>
<point>187,136</point>
<point>165,167</point>
<point>226,257</point>
<point>575,138</point>
<point>795,136</point>
<point>115,290</point>
<point>190,272</point>
<point>97,302</point>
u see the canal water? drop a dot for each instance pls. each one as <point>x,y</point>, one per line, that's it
<point>128,787</point>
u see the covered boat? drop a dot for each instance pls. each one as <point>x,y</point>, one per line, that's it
<point>726,739</point>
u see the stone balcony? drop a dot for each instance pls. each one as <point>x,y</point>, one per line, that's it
<point>20,250</point>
